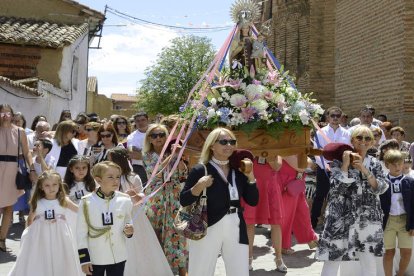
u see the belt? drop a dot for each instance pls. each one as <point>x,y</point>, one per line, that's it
<point>232,211</point>
<point>8,158</point>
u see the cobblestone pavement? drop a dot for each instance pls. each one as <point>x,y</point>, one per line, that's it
<point>300,263</point>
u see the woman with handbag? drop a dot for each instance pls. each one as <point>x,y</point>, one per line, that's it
<point>9,153</point>
<point>225,186</point>
<point>296,215</point>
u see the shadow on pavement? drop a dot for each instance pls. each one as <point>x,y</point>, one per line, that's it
<point>15,233</point>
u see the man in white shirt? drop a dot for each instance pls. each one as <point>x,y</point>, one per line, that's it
<point>366,118</point>
<point>135,143</point>
<point>332,133</point>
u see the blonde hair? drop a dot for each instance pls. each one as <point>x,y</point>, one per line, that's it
<point>361,129</point>
<point>62,129</point>
<point>93,125</point>
<point>39,193</point>
<point>393,156</point>
<point>148,147</point>
<point>206,152</point>
<point>100,168</point>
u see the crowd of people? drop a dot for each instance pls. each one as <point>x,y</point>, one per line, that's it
<point>107,193</point>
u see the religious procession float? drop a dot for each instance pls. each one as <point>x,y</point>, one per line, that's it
<point>247,90</point>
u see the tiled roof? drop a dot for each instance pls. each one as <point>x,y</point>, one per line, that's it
<point>16,84</point>
<point>123,98</point>
<point>38,33</point>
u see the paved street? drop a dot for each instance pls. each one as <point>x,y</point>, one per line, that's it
<point>300,263</point>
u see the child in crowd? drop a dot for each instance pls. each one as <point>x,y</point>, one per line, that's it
<point>41,160</point>
<point>104,223</point>
<point>47,245</point>
<point>145,255</point>
<point>78,179</point>
<point>398,206</point>
<point>408,163</point>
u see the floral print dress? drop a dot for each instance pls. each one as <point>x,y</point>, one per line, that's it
<point>353,221</point>
<point>161,210</point>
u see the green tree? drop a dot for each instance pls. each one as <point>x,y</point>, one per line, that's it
<point>176,70</point>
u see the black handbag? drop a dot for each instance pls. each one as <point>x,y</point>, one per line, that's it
<point>22,177</point>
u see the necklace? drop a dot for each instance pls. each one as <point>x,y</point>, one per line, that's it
<point>218,162</point>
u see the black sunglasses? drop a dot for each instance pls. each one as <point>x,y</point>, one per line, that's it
<point>89,129</point>
<point>106,135</point>
<point>365,138</point>
<point>155,135</point>
<point>224,142</point>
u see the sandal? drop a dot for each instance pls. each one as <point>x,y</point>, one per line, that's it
<point>287,251</point>
<point>280,265</point>
<point>313,244</point>
<point>3,245</point>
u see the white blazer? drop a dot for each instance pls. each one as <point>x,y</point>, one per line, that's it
<point>109,248</point>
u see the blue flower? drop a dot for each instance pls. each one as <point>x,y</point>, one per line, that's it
<point>224,114</point>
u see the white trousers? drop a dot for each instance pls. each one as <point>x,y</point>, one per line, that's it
<point>367,263</point>
<point>222,237</point>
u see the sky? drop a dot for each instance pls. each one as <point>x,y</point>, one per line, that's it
<point>128,48</point>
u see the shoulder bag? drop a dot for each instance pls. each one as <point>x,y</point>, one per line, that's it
<point>22,177</point>
<point>191,221</point>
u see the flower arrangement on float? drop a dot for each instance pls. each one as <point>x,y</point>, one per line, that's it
<point>248,100</point>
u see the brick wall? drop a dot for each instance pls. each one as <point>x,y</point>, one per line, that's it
<point>18,62</point>
<point>350,53</point>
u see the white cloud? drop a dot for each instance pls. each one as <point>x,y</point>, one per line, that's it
<point>125,54</point>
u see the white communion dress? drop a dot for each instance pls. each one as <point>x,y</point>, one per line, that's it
<point>47,245</point>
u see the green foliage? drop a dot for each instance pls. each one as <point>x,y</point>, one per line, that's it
<point>176,70</point>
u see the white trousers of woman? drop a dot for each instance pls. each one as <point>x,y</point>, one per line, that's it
<point>222,237</point>
<point>367,263</point>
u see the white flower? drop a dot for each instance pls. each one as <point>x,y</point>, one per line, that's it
<point>243,86</point>
<point>290,91</point>
<point>237,119</point>
<point>225,95</point>
<point>213,101</point>
<point>304,117</point>
<point>260,105</point>
<point>287,118</point>
<point>278,98</point>
<point>254,92</point>
<point>211,113</point>
<point>238,100</point>
<point>223,89</point>
<point>220,99</point>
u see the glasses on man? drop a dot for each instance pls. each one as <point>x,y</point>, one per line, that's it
<point>223,142</point>
<point>155,135</point>
<point>106,135</point>
<point>363,138</point>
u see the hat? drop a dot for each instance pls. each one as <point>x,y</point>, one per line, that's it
<point>238,155</point>
<point>334,151</point>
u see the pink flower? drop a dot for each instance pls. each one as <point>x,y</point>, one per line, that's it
<point>235,83</point>
<point>273,77</point>
<point>256,82</point>
<point>247,113</point>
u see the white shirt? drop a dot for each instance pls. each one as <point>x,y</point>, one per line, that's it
<point>50,162</point>
<point>397,203</point>
<point>77,191</point>
<point>136,139</point>
<point>340,135</point>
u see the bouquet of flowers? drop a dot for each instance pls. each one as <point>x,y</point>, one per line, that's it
<point>247,101</point>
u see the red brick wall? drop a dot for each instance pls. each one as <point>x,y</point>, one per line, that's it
<point>18,62</point>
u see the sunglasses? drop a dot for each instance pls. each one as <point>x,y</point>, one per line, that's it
<point>224,142</point>
<point>106,135</point>
<point>121,123</point>
<point>155,135</point>
<point>335,116</point>
<point>5,114</point>
<point>365,138</point>
<point>89,129</point>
